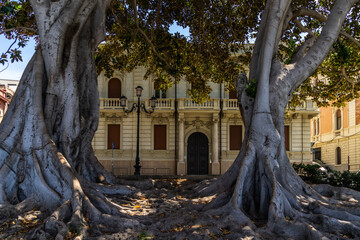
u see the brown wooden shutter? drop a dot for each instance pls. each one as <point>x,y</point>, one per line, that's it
<point>160,137</point>
<point>338,155</point>
<point>318,127</point>
<point>114,88</point>
<point>114,136</point>
<point>235,137</point>
<point>232,94</point>
<point>357,111</point>
<point>287,137</point>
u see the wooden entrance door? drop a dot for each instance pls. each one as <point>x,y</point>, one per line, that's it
<point>198,154</point>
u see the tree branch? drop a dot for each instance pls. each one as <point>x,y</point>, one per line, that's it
<point>269,35</point>
<point>321,18</point>
<point>303,28</point>
<point>145,36</point>
<point>307,65</point>
<point>351,38</point>
<point>302,50</point>
<point>18,28</point>
<point>4,68</point>
<point>12,45</point>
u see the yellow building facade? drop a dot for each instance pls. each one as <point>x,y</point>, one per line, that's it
<point>197,139</point>
<point>336,136</point>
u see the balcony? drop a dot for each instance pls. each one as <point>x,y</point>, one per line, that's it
<point>169,104</point>
<point>306,107</point>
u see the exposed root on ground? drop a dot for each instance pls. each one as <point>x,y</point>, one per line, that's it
<point>272,194</point>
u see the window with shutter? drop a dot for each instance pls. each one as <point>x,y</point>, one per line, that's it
<point>232,94</point>
<point>314,127</point>
<point>235,137</point>
<point>114,88</point>
<point>287,137</point>
<point>159,137</point>
<point>114,136</point>
<point>318,127</point>
<point>338,155</point>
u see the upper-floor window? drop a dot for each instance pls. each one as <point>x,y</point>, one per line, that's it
<point>318,126</point>
<point>233,94</point>
<point>338,155</point>
<point>314,127</point>
<point>338,119</point>
<point>114,88</point>
<point>160,93</point>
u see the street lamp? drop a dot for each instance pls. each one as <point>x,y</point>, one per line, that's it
<point>138,106</point>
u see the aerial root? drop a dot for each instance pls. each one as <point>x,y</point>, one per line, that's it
<point>103,203</point>
<point>339,193</point>
<point>112,189</point>
<point>87,206</point>
<point>294,229</point>
<point>232,217</point>
<point>10,211</point>
<point>221,200</point>
<point>293,217</point>
<point>111,222</point>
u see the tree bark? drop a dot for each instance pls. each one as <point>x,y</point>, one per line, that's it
<point>46,158</point>
<point>261,184</point>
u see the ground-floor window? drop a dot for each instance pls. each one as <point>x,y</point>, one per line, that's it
<point>287,137</point>
<point>317,153</point>
<point>338,155</point>
<point>159,137</point>
<point>113,136</point>
<point>235,137</point>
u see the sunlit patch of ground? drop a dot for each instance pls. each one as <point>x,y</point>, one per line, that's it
<point>166,209</point>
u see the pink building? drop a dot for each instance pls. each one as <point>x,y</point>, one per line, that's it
<point>5,98</point>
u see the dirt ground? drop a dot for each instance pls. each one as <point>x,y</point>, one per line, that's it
<point>164,208</point>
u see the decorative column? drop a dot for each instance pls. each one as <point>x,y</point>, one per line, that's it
<point>215,166</point>
<point>181,142</point>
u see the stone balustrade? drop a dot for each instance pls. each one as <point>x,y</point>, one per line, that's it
<point>188,104</point>
<point>169,104</point>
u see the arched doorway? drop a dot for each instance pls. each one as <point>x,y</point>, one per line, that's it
<point>114,88</point>
<point>198,154</point>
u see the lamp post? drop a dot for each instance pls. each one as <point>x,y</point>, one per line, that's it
<point>138,106</point>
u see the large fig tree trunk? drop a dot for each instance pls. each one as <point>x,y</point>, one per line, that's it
<point>46,158</point>
<point>261,184</point>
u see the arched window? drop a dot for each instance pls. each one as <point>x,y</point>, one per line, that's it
<point>114,88</point>
<point>158,92</point>
<point>338,119</point>
<point>338,155</point>
<point>232,94</point>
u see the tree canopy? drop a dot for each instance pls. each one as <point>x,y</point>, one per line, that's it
<point>218,31</point>
<point>220,45</point>
<point>46,156</point>
<point>218,48</point>
<point>17,23</point>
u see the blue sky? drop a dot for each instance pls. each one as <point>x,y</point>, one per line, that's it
<point>15,70</point>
